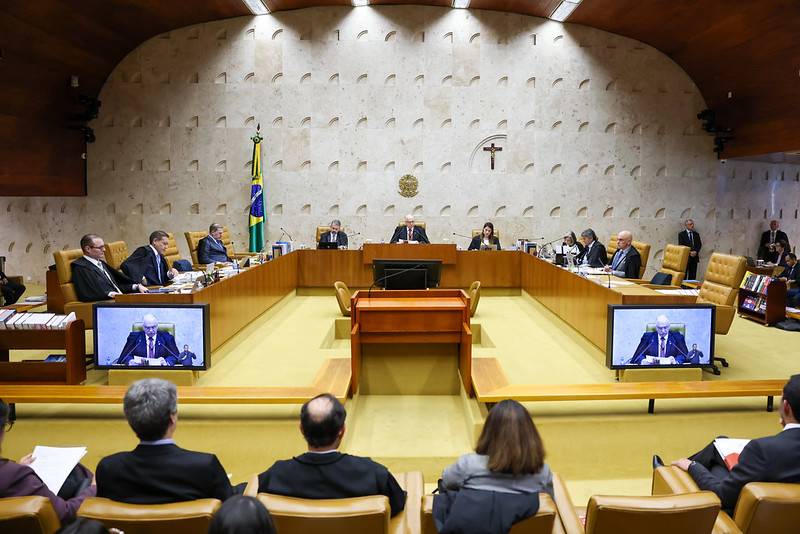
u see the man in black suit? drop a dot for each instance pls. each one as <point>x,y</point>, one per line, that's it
<point>766,247</point>
<point>186,357</point>
<point>323,472</point>
<point>594,252</point>
<point>781,250</point>
<point>409,232</point>
<point>771,459</point>
<point>661,347</point>
<point>695,356</point>
<point>791,274</point>
<point>157,471</point>
<point>149,264</point>
<point>690,238</point>
<point>334,235</point>
<point>210,249</point>
<point>94,279</point>
<point>149,346</point>
<point>11,291</point>
<point>626,262</point>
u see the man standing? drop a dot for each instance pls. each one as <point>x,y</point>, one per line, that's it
<point>690,238</point>
<point>210,249</point>
<point>409,232</point>
<point>766,247</point>
<point>149,346</point>
<point>94,279</point>
<point>148,263</point>
<point>334,235</point>
<point>626,262</point>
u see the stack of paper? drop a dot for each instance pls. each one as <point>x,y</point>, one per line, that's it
<point>730,449</point>
<point>54,464</point>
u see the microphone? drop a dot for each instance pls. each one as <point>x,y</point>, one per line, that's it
<point>384,278</point>
<point>287,234</point>
<point>119,360</point>
<point>462,235</point>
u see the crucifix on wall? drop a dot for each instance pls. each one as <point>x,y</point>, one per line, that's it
<point>491,148</point>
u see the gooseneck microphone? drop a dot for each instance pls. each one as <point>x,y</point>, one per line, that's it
<point>287,234</point>
<point>462,235</point>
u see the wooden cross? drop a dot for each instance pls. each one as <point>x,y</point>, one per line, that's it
<point>492,149</point>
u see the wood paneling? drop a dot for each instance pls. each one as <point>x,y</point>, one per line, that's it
<point>535,8</point>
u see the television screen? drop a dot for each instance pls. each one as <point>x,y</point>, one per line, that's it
<point>167,336</point>
<point>660,336</point>
<point>406,274</point>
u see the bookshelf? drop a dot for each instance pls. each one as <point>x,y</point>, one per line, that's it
<point>72,371</point>
<point>762,299</point>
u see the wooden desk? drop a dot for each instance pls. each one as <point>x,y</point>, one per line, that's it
<point>432,316</point>
<point>72,339</point>
<point>437,251</point>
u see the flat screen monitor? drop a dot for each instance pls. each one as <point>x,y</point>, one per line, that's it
<point>649,336</point>
<point>163,336</point>
<point>328,245</point>
<point>406,274</point>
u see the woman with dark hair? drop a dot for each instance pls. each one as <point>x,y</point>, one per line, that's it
<point>485,239</point>
<point>242,515</point>
<point>571,244</point>
<point>19,480</point>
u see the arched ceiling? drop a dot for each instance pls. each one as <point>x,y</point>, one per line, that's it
<point>743,47</point>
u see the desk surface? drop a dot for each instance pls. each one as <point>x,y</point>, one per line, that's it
<point>411,303</point>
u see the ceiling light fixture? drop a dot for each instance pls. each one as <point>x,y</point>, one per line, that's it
<point>256,7</point>
<point>564,10</point>
<point>461,4</point>
<point>360,3</point>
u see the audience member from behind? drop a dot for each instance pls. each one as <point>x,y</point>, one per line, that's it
<point>157,471</point>
<point>323,472</point>
<point>19,480</point>
<point>242,515</point>
<point>770,459</point>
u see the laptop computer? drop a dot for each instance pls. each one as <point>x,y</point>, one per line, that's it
<point>328,245</point>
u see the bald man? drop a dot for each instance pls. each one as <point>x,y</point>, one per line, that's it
<point>626,261</point>
<point>662,347</point>
<point>149,346</point>
<point>409,232</point>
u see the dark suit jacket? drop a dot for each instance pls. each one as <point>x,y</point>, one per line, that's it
<point>596,255</point>
<point>331,476</point>
<point>631,264</point>
<point>694,356</point>
<point>648,346</point>
<point>18,480</point>
<point>792,273</point>
<point>683,239</point>
<point>210,250</point>
<point>401,232</point>
<point>160,474</point>
<point>763,252</point>
<point>771,459</point>
<point>341,238</point>
<point>142,263</point>
<point>92,285</point>
<point>136,345</point>
<point>186,358</point>
<point>477,241</point>
<point>11,291</point>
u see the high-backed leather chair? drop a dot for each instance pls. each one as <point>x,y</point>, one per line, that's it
<point>83,310</point>
<point>643,248</point>
<point>189,517</point>
<point>474,293</point>
<point>116,252</point>
<point>545,521</point>
<point>691,513</point>
<point>416,223</point>
<point>28,515</point>
<point>172,253</point>
<point>674,263</point>
<point>162,327</point>
<point>479,231</point>
<point>673,327</point>
<point>721,287</point>
<point>343,297</point>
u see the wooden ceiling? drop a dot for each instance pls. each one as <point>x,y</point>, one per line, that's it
<point>743,46</point>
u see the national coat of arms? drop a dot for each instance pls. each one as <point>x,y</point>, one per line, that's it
<point>408,185</point>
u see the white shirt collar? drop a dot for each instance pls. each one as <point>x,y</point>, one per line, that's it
<point>94,262</point>
<point>790,426</point>
<point>154,250</point>
<point>322,452</point>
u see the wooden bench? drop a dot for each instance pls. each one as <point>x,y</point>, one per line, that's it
<point>333,377</point>
<point>491,386</point>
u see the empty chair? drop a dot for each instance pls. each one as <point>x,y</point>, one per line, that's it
<point>720,287</point>
<point>188,517</point>
<point>116,253</point>
<point>343,297</point>
<point>28,515</point>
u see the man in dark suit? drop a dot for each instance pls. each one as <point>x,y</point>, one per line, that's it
<point>186,356</point>
<point>770,459</point>
<point>157,471</point>
<point>149,264</point>
<point>594,252</point>
<point>334,235</point>
<point>11,291</point>
<point>94,279</point>
<point>149,346</point>
<point>690,238</point>
<point>781,250</point>
<point>661,347</point>
<point>409,232</point>
<point>695,356</point>
<point>210,249</point>
<point>766,247</point>
<point>791,274</point>
<point>323,472</point>
<point>626,262</point>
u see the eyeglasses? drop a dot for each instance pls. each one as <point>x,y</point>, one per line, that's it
<point>101,246</point>
<point>8,426</point>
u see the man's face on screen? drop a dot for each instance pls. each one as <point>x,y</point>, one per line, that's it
<point>150,326</point>
<point>662,328</point>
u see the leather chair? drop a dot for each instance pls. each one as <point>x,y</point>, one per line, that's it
<point>416,223</point>
<point>479,231</point>
<point>673,327</point>
<point>474,293</point>
<point>83,310</point>
<point>343,297</point>
<point>691,513</point>
<point>674,263</point>
<point>172,253</point>
<point>545,521</point>
<point>721,287</point>
<point>643,248</point>
<point>116,252</point>
<point>162,327</point>
<point>187,517</point>
<point>28,515</point>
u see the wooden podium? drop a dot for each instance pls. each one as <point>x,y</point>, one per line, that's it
<point>435,316</point>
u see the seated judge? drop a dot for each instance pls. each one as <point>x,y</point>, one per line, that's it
<point>323,472</point>
<point>766,247</point>
<point>486,239</point>
<point>149,264</point>
<point>594,252</point>
<point>570,244</point>
<point>770,459</point>
<point>626,261</point>
<point>334,235</point>
<point>11,291</point>
<point>210,249</point>
<point>94,279</point>
<point>791,275</point>
<point>409,233</point>
<point>149,346</point>
<point>781,250</point>
<point>662,347</point>
<point>157,471</point>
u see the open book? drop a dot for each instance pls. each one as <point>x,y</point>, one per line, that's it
<point>730,449</point>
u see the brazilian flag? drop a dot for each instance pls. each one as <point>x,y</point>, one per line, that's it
<point>256,198</point>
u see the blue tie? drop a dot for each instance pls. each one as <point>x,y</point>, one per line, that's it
<point>158,268</point>
<point>617,260</point>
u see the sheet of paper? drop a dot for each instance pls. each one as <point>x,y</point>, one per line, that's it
<point>54,464</point>
<point>726,446</point>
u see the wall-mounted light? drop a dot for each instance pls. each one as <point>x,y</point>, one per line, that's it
<point>256,7</point>
<point>461,4</point>
<point>360,3</point>
<point>564,10</point>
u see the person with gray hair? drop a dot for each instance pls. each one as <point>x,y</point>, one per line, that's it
<point>157,471</point>
<point>334,235</point>
<point>593,253</point>
<point>210,249</point>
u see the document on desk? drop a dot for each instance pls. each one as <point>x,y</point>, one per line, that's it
<point>730,449</point>
<point>54,464</point>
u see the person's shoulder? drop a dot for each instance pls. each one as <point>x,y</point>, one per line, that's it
<point>114,458</point>
<point>362,461</point>
<point>473,460</point>
<point>80,263</point>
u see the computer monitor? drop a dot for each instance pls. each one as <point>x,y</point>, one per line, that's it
<point>163,336</point>
<point>650,336</point>
<point>406,274</point>
<point>328,245</point>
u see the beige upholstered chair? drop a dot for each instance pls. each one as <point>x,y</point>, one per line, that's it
<point>28,515</point>
<point>643,248</point>
<point>193,238</point>
<point>83,310</point>
<point>416,223</point>
<point>691,513</point>
<point>480,230</point>
<point>674,263</point>
<point>721,287</point>
<point>545,521</point>
<point>172,253</point>
<point>343,297</point>
<point>188,517</point>
<point>116,252</point>
<point>474,293</point>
